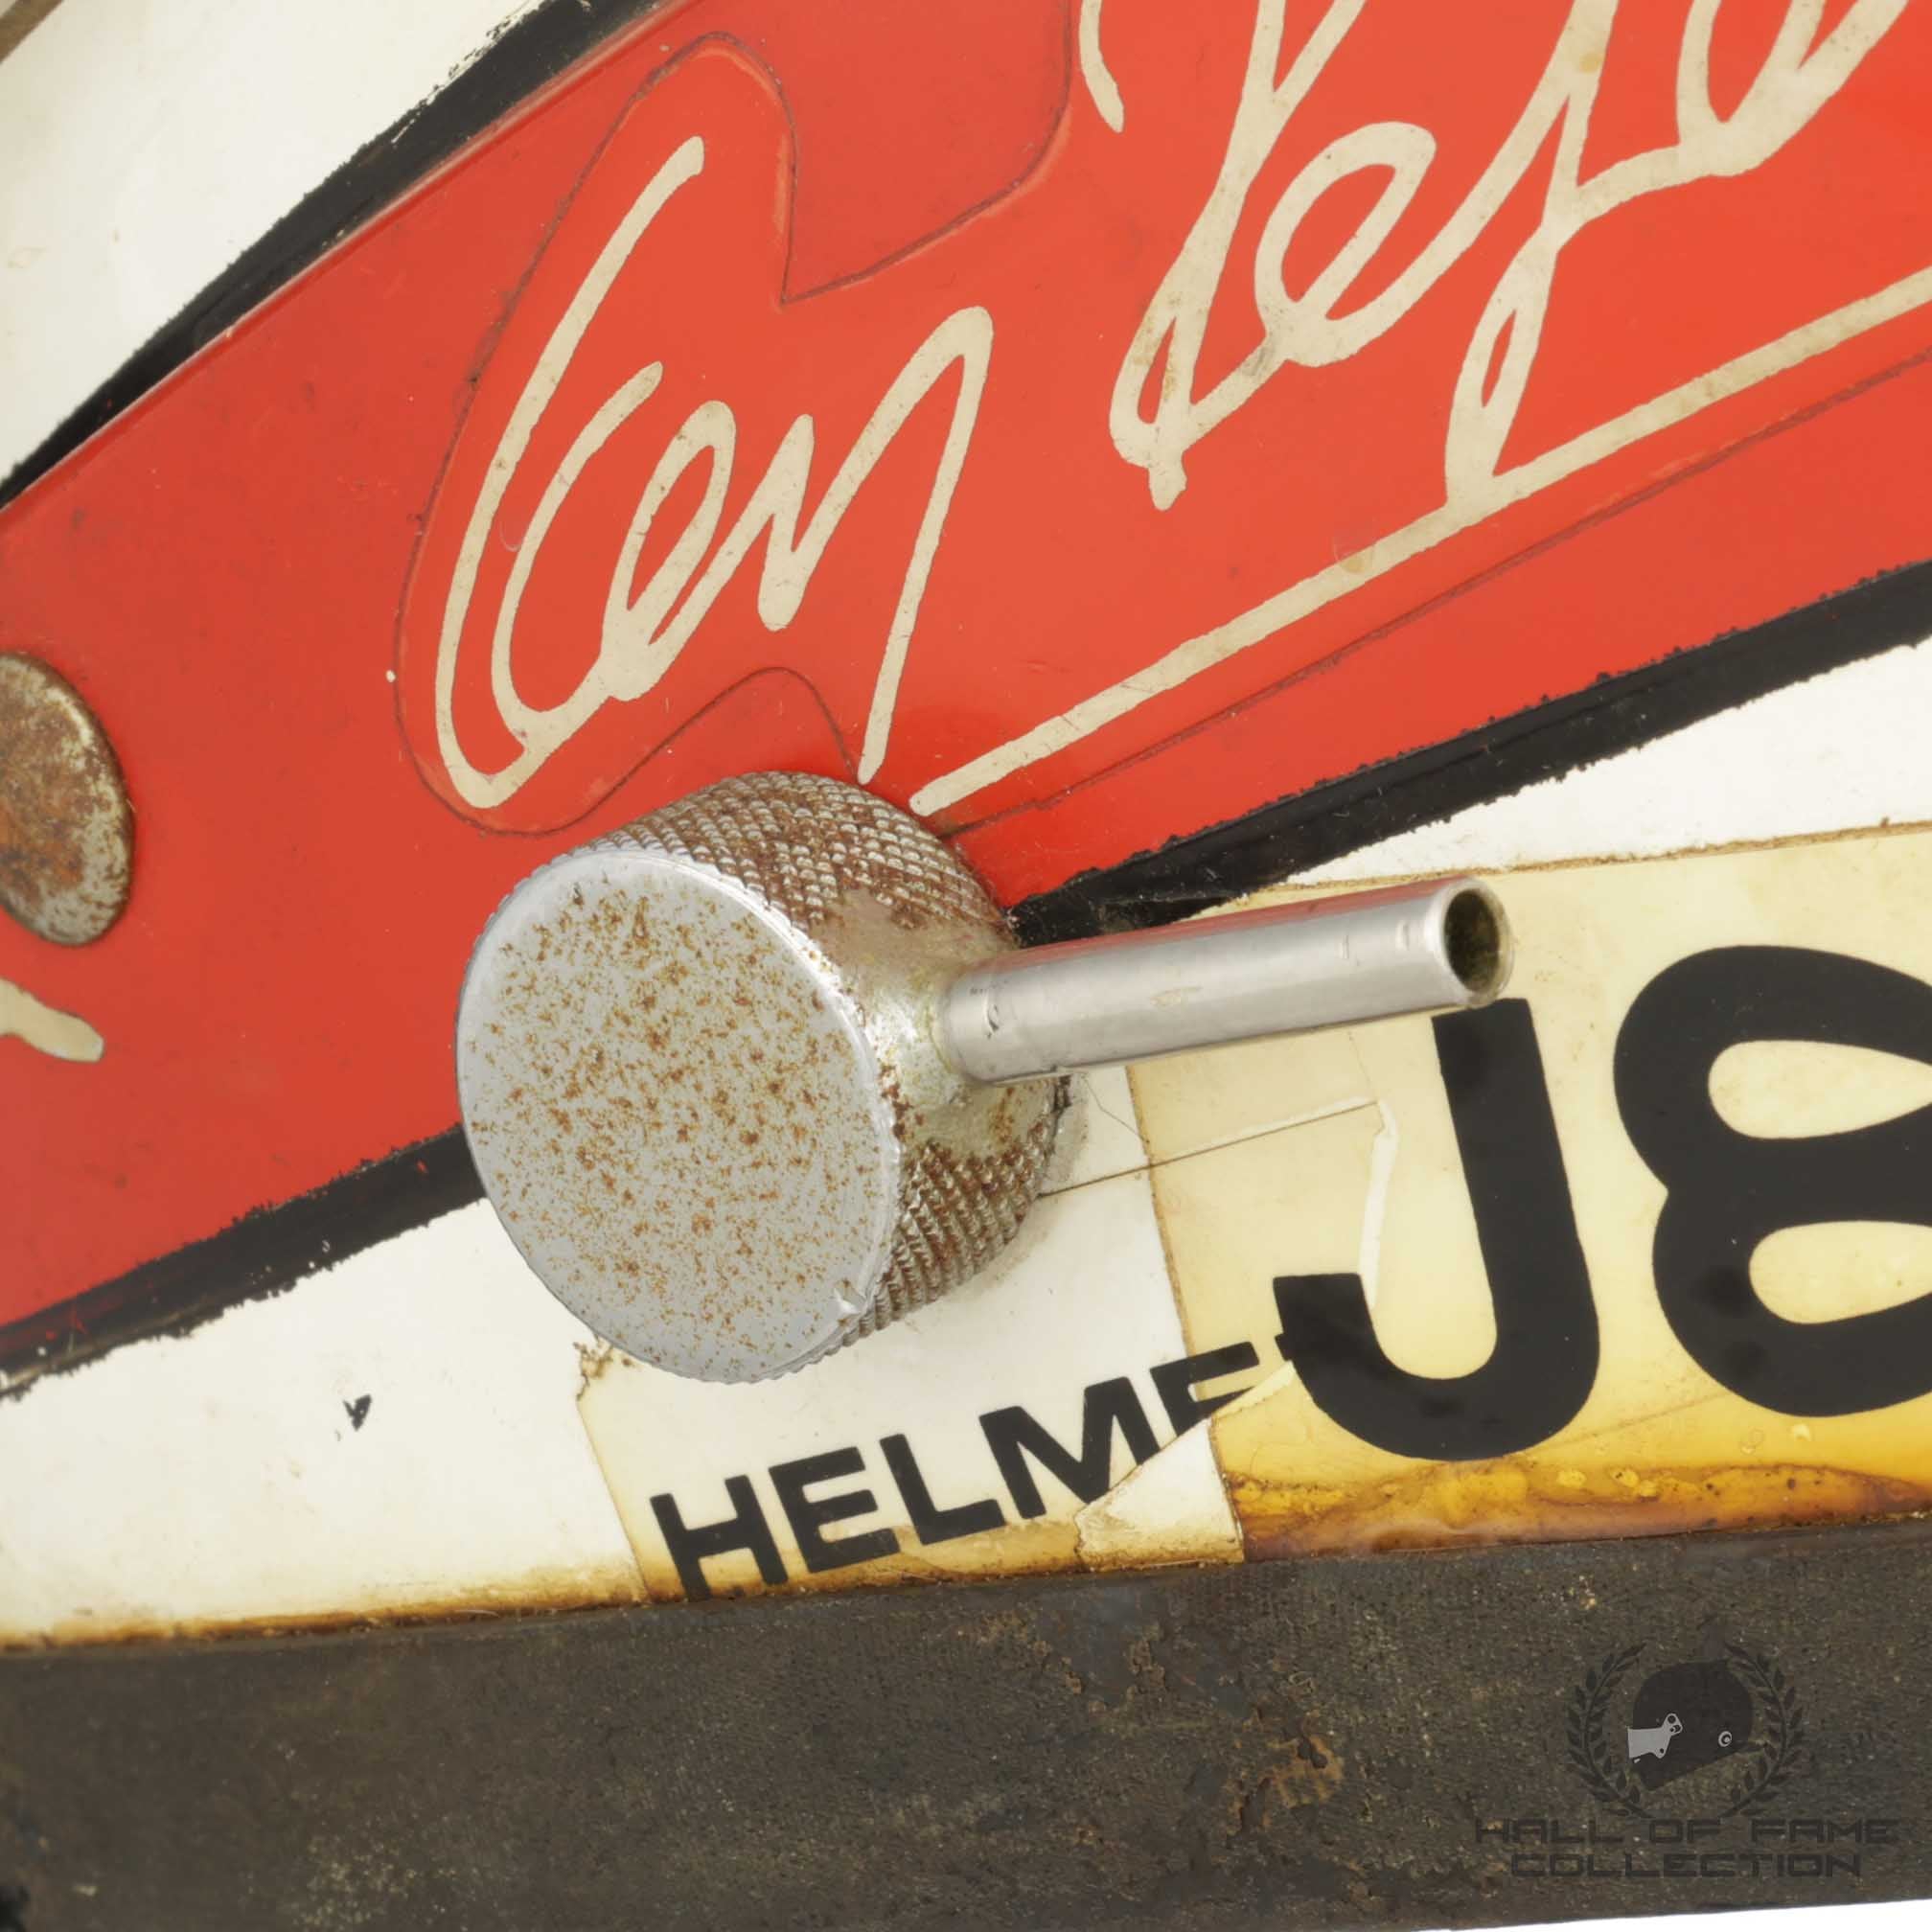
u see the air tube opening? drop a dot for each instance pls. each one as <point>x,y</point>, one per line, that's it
<point>1476,940</point>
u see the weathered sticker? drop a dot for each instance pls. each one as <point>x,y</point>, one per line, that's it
<point>967,1439</point>
<point>1644,1246</point>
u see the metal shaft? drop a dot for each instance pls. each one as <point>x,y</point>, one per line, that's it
<point>1286,969</point>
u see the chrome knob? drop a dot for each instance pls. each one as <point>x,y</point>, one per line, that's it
<point>764,1070</point>
<point>701,1086</point>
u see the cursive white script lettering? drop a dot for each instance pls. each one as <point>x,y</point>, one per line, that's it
<point>1796,79</point>
<point>643,634</point>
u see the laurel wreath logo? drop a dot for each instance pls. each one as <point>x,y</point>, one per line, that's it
<point>1602,1768</point>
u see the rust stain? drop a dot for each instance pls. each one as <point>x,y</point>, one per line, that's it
<point>1519,1501</point>
<point>654,1097</point>
<point>1037,1549</point>
<point>1278,1757</point>
<point>965,1204</point>
<point>1309,1772</point>
<point>595,1360</point>
<point>542,1594</point>
<point>60,1035</point>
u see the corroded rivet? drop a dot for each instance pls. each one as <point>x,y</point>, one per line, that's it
<point>66,831</point>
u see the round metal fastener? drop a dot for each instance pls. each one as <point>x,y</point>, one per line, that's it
<point>66,829</point>
<point>699,1080</point>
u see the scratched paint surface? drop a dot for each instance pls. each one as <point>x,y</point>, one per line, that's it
<point>1135,454</point>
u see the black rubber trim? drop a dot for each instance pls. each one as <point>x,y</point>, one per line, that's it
<point>1396,1741</point>
<point>275,1247</point>
<point>521,58</point>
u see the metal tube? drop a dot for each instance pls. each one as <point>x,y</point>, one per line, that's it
<point>1211,982</point>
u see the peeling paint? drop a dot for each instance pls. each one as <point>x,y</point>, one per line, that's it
<point>60,1035</point>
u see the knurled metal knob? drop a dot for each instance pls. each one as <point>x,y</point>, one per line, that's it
<point>765,1069</point>
<point>701,1086</point>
